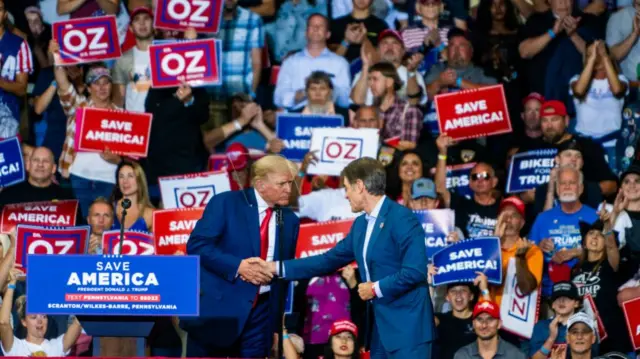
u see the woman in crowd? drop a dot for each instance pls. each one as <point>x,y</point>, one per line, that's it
<point>131,183</point>
<point>34,343</point>
<point>342,341</point>
<point>596,275</point>
<point>408,169</point>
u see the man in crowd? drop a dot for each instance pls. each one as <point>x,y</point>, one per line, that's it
<point>361,28</point>
<point>289,91</point>
<point>623,29</point>
<point>132,72</point>
<point>237,298</point>
<point>100,219</point>
<point>16,65</point>
<point>531,120</point>
<point>476,217</point>
<point>400,118</point>
<point>581,336</point>
<point>39,185</point>
<point>557,231</point>
<point>486,323</point>
<point>391,49</point>
<point>554,122</point>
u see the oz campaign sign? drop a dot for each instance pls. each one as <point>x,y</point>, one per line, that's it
<point>86,40</point>
<point>194,62</point>
<point>172,227</point>
<point>114,285</point>
<point>317,238</point>
<point>460,261</point>
<point>192,190</point>
<point>631,310</point>
<point>134,243</point>
<point>122,132</point>
<point>202,15</point>
<point>473,113</point>
<point>54,214</point>
<point>294,130</point>
<point>437,224</point>
<point>11,162</point>
<point>529,170</point>
<point>337,147</point>
<point>46,240</point>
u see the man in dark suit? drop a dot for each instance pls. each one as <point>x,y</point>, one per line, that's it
<point>388,244</point>
<point>237,232</point>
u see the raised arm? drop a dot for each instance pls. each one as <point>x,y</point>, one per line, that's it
<point>6,331</point>
<point>533,45</point>
<point>443,142</point>
<point>71,336</point>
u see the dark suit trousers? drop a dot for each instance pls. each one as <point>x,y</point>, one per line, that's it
<point>254,342</point>
<point>421,351</point>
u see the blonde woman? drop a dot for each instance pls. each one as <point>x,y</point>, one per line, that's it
<point>131,183</point>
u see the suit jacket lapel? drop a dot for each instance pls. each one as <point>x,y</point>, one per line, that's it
<point>377,228</point>
<point>252,218</point>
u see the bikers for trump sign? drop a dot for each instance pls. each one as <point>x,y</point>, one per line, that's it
<point>121,132</point>
<point>85,40</point>
<point>473,113</point>
<point>529,170</point>
<point>172,228</point>
<point>295,131</point>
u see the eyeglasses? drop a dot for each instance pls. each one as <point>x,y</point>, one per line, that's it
<point>480,175</point>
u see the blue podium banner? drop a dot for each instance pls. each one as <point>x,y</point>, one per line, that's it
<point>114,285</point>
<point>294,130</point>
<point>459,262</point>
<point>11,163</point>
<point>437,224</point>
<point>529,170</point>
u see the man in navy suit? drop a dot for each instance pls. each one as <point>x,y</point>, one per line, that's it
<point>388,244</point>
<point>234,238</point>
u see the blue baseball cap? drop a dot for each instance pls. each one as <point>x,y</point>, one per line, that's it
<point>423,187</point>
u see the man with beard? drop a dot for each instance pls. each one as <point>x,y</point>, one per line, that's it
<point>399,117</point>
<point>486,323</point>
<point>242,36</point>
<point>530,120</point>
<point>132,72</point>
<point>290,87</point>
<point>557,231</point>
<point>554,122</point>
<point>16,65</point>
<point>391,49</point>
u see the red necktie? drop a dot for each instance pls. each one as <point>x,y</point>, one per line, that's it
<point>264,233</point>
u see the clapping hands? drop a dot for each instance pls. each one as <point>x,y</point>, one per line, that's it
<point>256,271</point>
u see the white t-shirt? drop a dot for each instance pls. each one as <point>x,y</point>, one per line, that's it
<point>22,348</point>
<point>140,81</point>
<point>600,113</point>
<point>402,93</point>
<point>326,205</point>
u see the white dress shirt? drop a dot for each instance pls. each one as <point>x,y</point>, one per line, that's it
<point>371,222</point>
<point>262,212</point>
<point>295,70</point>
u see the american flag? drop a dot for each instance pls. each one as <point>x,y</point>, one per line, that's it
<point>414,37</point>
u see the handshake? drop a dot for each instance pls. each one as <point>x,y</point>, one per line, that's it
<point>257,271</point>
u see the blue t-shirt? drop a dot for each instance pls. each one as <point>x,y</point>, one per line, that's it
<point>15,58</point>
<point>564,229</point>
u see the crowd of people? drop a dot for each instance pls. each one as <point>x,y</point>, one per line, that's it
<point>570,72</point>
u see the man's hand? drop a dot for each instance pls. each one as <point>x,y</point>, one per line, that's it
<point>481,281</point>
<point>248,112</point>
<point>110,157</point>
<point>547,245</point>
<point>636,24</point>
<point>522,245</point>
<point>94,242</point>
<point>432,38</point>
<point>563,255</point>
<point>443,142</point>
<point>559,352</point>
<point>275,145</point>
<point>255,270</point>
<point>349,275</point>
<point>453,237</point>
<point>365,290</point>
<point>311,158</point>
<point>501,225</point>
<point>553,328</point>
<point>570,24</point>
<point>448,77</point>
<point>414,61</point>
<point>558,26</point>
<point>300,96</point>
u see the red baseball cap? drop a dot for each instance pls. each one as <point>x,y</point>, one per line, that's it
<point>515,202</point>
<point>140,10</point>
<point>340,326</point>
<point>553,108</point>
<point>389,32</point>
<point>486,306</point>
<point>238,156</point>
<point>533,96</point>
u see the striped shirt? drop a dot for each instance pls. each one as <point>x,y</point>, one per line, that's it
<point>15,58</point>
<point>413,38</point>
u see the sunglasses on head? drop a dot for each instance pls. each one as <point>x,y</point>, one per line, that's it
<point>480,175</point>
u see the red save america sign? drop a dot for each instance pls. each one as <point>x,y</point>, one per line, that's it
<point>86,40</point>
<point>134,243</point>
<point>202,15</point>
<point>41,240</point>
<point>54,214</point>
<point>172,228</point>
<point>317,238</point>
<point>193,62</point>
<point>122,132</point>
<point>473,113</point>
<point>631,310</point>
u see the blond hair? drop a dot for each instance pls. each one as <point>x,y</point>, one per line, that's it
<point>270,164</point>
